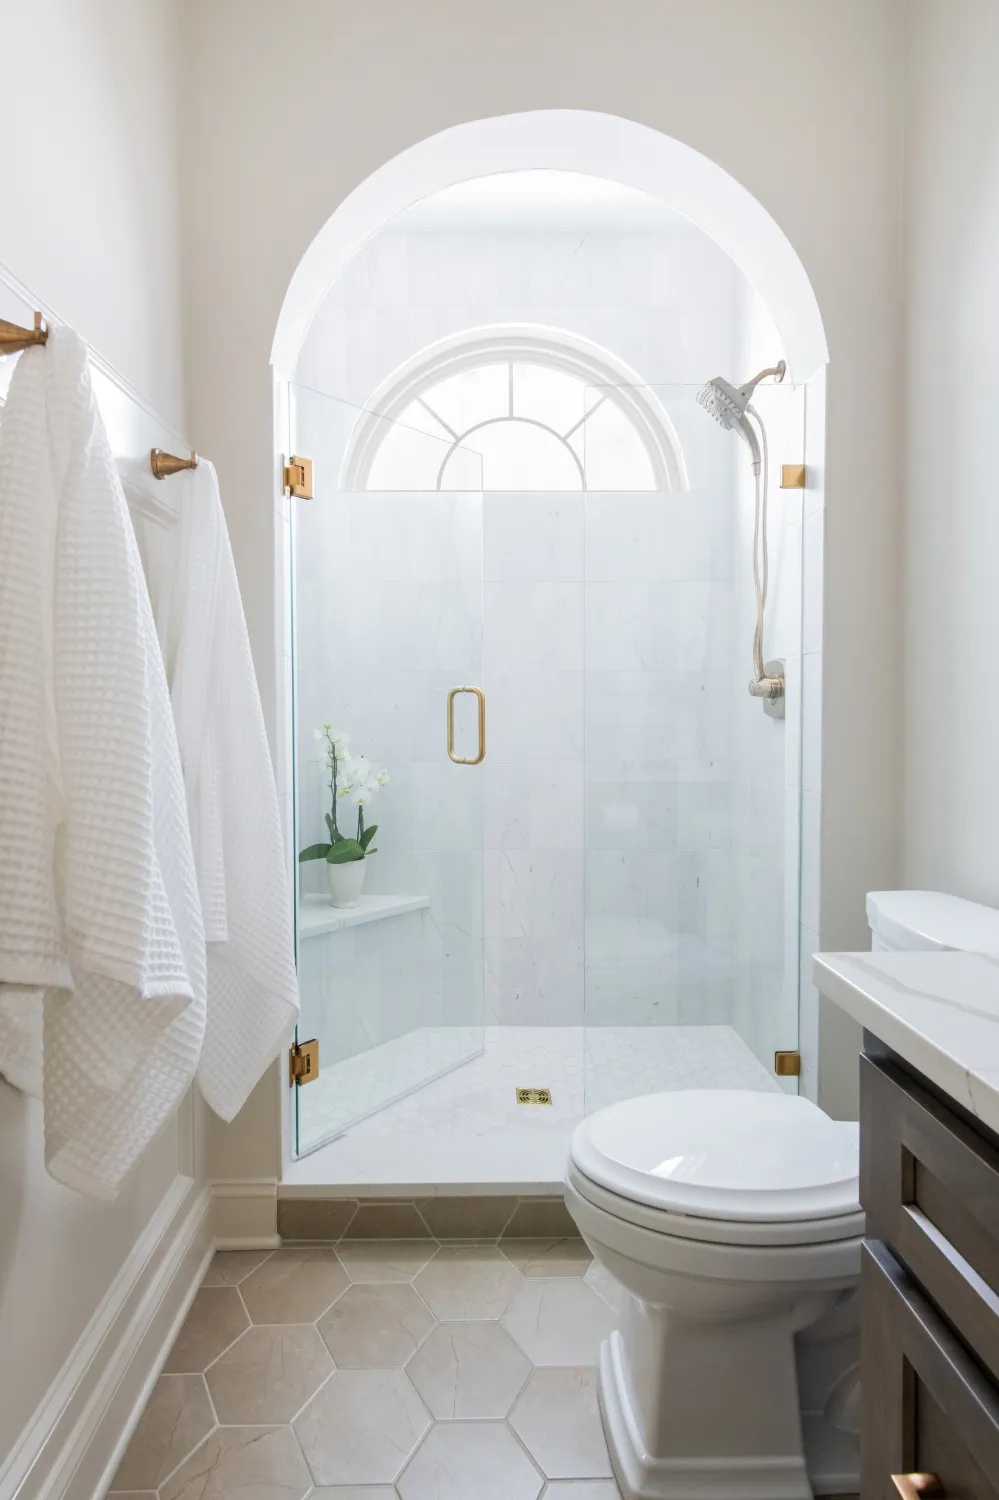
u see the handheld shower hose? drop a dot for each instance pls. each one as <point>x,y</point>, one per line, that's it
<point>730,406</point>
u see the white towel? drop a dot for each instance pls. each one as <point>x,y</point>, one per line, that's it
<point>232,804</point>
<point>100,921</point>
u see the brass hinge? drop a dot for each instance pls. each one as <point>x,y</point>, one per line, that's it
<point>787,1064</point>
<point>298,477</point>
<point>303,1060</point>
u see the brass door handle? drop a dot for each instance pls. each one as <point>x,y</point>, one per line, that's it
<point>462,760</point>
<point>917,1486</point>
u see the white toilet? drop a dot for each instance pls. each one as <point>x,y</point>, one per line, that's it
<point>731,1219</point>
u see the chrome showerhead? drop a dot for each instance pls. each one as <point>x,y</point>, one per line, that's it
<point>722,401</point>
<point>728,404</point>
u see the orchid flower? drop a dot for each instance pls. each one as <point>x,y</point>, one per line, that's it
<point>349,775</point>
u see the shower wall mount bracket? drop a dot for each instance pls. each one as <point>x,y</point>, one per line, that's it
<point>770,687</point>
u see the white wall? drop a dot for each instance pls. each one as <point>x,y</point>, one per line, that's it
<point>89,143</point>
<point>951,494</point>
<point>819,85</point>
<point>89,222</point>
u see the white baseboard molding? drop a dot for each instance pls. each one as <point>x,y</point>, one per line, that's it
<point>245,1214</point>
<point>73,1444</point>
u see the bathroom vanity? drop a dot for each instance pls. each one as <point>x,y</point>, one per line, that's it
<point>929,1183</point>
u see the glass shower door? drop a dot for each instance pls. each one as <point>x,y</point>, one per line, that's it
<point>692,795</point>
<point>387,600</point>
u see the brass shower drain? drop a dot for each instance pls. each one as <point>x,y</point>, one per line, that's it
<point>534,1096</point>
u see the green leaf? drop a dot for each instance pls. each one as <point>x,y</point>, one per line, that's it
<point>315,851</point>
<point>345,852</point>
<point>335,834</point>
<point>368,835</point>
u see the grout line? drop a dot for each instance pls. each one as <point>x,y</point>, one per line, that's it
<point>509,1220</point>
<point>211,1401</point>
<point>167,1477</point>
<point>519,1441</point>
<point>527,1377</point>
<point>212,1363</point>
<point>429,1310</point>
<point>321,1387</point>
<point>422,1219</point>
<point>406,1462</point>
<point>242,1301</point>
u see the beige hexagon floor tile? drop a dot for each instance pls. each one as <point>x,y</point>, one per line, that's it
<point>230,1267</point>
<point>269,1374</point>
<point>294,1286</point>
<point>557,1417</point>
<point>361,1427</point>
<point>470,1461</point>
<point>469,1281</point>
<point>216,1319</point>
<point>257,1463</point>
<point>385,1260</point>
<point>376,1325</point>
<point>559,1322</point>
<point>178,1416</point>
<point>468,1370</point>
<point>566,1257</point>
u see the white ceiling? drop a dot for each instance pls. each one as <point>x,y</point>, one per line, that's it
<point>541,200</point>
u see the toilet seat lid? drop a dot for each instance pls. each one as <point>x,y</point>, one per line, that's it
<point>723,1154</point>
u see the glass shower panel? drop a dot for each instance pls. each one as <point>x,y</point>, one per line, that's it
<point>387,599</point>
<point>691,790</point>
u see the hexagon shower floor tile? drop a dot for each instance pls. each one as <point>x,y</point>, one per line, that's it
<point>383,1370</point>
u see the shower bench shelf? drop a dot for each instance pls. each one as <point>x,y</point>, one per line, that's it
<point>316,916</point>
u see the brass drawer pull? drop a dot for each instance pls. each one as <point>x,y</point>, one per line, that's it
<point>917,1486</point>
<point>461,760</point>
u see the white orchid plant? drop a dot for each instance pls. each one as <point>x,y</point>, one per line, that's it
<point>349,776</point>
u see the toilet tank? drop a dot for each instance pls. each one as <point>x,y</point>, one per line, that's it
<point>904,921</point>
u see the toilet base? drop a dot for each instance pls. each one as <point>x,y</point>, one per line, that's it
<point>643,1476</point>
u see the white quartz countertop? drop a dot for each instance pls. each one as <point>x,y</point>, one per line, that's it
<point>939,1010</point>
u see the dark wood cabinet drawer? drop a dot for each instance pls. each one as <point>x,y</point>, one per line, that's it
<point>929,1185</point>
<point>928,1405</point>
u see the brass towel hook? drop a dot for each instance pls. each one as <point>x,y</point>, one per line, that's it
<point>13,338</point>
<point>165,464</point>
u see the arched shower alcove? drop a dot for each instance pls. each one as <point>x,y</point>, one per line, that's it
<point>774,852</point>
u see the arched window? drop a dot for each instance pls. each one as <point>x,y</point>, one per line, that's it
<point>518,409</point>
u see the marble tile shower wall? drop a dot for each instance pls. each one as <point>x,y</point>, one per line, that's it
<point>665,303</point>
<point>607,686</point>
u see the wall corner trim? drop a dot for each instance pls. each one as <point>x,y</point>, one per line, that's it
<point>73,1444</point>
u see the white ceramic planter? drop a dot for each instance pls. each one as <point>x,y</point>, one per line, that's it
<point>346,882</point>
